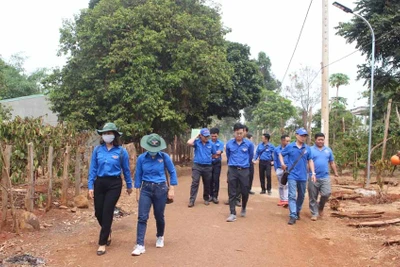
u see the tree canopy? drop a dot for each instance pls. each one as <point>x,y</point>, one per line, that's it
<point>14,82</point>
<point>384,17</point>
<point>337,80</point>
<point>150,66</point>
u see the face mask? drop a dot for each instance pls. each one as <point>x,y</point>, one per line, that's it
<point>153,153</point>
<point>108,138</point>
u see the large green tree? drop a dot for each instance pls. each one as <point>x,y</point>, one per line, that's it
<point>337,80</point>
<point>264,64</point>
<point>14,82</point>
<point>384,17</point>
<point>148,65</point>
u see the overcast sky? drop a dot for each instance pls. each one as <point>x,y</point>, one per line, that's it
<point>32,28</point>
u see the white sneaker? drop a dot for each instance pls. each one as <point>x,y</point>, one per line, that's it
<point>139,249</point>
<point>160,242</point>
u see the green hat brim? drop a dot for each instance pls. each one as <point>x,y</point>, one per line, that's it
<point>100,132</point>
<point>143,144</point>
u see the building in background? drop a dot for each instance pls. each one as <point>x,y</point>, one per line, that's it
<point>32,106</point>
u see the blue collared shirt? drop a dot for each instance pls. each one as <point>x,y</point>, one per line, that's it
<point>321,160</point>
<point>277,162</point>
<point>219,146</point>
<point>239,155</point>
<point>299,172</point>
<point>203,152</point>
<point>152,170</point>
<point>264,152</point>
<point>106,162</point>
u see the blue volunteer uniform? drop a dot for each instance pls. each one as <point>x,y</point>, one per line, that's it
<point>152,170</point>
<point>264,152</point>
<point>292,152</point>
<point>321,160</point>
<point>277,162</point>
<point>216,171</point>
<point>239,155</point>
<point>203,152</point>
<point>219,146</point>
<point>107,163</point>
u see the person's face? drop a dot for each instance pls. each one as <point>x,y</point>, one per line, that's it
<point>214,137</point>
<point>239,134</point>
<point>204,138</point>
<point>285,142</point>
<point>301,138</point>
<point>264,139</point>
<point>319,142</point>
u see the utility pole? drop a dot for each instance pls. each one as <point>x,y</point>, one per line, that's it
<point>325,73</point>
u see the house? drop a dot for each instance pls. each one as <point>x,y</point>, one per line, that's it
<point>31,106</point>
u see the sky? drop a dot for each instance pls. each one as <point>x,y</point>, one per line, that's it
<point>31,28</point>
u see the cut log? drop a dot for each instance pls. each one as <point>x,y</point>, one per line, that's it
<point>347,186</point>
<point>375,223</point>
<point>355,216</point>
<point>391,242</point>
<point>347,196</point>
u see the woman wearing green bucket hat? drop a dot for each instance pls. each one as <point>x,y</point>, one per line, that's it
<point>109,160</point>
<point>152,185</point>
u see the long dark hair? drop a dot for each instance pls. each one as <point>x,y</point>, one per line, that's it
<point>117,140</point>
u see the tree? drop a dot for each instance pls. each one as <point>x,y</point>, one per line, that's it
<point>264,64</point>
<point>5,113</point>
<point>384,18</point>
<point>246,84</point>
<point>337,80</point>
<point>148,65</point>
<point>14,82</point>
<point>304,93</point>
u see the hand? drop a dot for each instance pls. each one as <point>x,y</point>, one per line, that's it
<point>336,175</point>
<point>129,191</point>
<point>171,193</point>
<point>272,163</point>
<point>283,167</point>
<point>219,152</point>
<point>313,178</point>
<point>255,161</point>
<point>91,193</point>
<point>137,194</point>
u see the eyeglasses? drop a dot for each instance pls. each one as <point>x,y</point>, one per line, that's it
<point>303,135</point>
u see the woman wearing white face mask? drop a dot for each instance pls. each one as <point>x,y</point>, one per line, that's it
<point>151,184</point>
<point>109,160</point>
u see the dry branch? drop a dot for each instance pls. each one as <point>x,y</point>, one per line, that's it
<point>355,216</point>
<point>391,242</point>
<point>347,196</point>
<point>375,223</point>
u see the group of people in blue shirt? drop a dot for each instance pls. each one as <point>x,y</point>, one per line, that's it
<point>306,166</point>
<point>153,188</point>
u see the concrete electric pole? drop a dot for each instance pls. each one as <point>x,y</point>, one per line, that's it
<point>325,72</point>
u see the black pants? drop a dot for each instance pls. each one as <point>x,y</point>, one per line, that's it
<point>251,177</point>
<point>214,184</point>
<point>265,170</point>
<point>203,171</point>
<point>235,177</point>
<point>107,191</point>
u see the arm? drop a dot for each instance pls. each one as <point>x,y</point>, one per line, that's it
<point>139,172</point>
<point>251,151</point>
<point>256,155</point>
<point>282,162</point>
<point>333,166</point>
<point>228,153</point>
<point>126,168</point>
<point>171,170</point>
<point>272,155</point>
<point>92,172</point>
<point>190,142</point>
<point>312,169</point>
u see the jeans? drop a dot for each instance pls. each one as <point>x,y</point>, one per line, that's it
<point>155,194</point>
<point>106,194</point>
<point>265,170</point>
<point>320,187</point>
<point>283,189</point>
<point>295,204</point>
<point>214,185</point>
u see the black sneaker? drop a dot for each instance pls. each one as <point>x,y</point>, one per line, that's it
<point>263,192</point>
<point>269,193</point>
<point>238,204</point>
<point>292,221</point>
<point>191,204</point>
<point>298,216</point>
<point>206,202</point>
<point>215,200</point>
<point>251,192</point>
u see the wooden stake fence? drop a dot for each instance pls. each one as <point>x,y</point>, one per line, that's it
<point>65,183</point>
<point>50,187</point>
<point>78,172</point>
<point>5,184</point>
<point>30,195</point>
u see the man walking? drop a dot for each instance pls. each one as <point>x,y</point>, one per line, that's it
<point>322,157</point>
<point>283,189</point>
<point>298,155</point>
<point>216,165</point>
<point>202,165</point>
<point>265,152</point>
<point>239,152</point>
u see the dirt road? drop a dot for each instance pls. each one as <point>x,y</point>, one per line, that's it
<point>199,236</point>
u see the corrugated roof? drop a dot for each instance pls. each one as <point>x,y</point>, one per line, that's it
<point>21,98</point>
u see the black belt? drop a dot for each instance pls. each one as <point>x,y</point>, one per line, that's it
<point>262,160</point>
<point>239,168</point>
<point>203,165</point>
<point>216,163</point>
<point>109,177</point>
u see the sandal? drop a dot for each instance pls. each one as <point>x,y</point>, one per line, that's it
<point>101,252</point>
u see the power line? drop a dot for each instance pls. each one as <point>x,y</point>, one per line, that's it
<point>297,42</point>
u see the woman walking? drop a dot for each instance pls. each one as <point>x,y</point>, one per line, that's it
<point>109,160</point>
<point>152,185</point>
